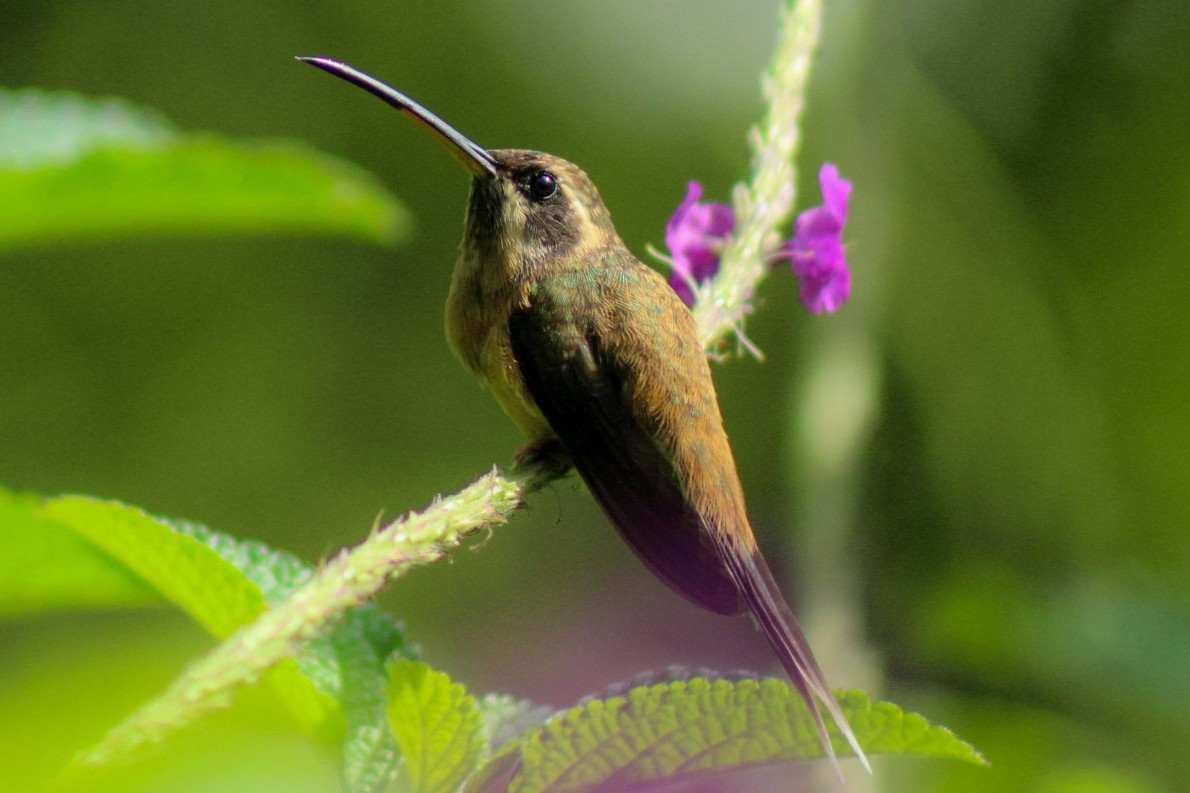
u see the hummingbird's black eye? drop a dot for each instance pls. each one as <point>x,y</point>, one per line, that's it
<point>541,185</point>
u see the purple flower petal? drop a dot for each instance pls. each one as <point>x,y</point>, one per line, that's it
<point>816,251</point>
<point>835,192</point>
<point>695,235</point>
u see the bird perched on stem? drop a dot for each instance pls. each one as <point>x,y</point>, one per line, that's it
<point>596,358</point>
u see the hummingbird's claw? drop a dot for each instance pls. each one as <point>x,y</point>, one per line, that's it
<point>544,454</point>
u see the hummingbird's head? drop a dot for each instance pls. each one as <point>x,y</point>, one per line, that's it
<point>527,208</point>
<point>534,208</point>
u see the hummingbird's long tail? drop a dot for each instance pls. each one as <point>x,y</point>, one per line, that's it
<point>759,590</point>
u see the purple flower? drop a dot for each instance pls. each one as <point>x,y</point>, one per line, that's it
<point>816,250</point>
<point>695,236</point>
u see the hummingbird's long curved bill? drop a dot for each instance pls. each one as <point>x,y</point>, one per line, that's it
<point>473,157</point>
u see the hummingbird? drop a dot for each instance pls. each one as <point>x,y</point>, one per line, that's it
<point>597,360</point>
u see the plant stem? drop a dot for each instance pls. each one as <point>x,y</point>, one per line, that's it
<point>348,580</point>
<point>765,204</point>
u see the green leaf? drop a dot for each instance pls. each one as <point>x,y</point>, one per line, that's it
<point>185,571</point>
<point>45,565</point>
<point>371,757</point>
<point>180,563</point>
<point>348,665</point>
<point>675,730</point>
<point>77,168</point>
<point>334,687</point>
<point>437,726</point>
<point>275,574</point>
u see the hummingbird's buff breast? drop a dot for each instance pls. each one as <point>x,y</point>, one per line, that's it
<point>477,311</point>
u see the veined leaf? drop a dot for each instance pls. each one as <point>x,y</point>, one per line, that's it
<point>371,756</point>
<point>437,726</point>
<point>675,730</point>
<point>73,167</point>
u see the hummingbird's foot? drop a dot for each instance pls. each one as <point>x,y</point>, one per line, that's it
<point>544,454</point>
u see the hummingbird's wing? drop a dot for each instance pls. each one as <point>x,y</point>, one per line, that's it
<point>584,392</point>
<point>614,364</point>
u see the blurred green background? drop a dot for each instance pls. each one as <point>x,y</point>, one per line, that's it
<point>1015,520</point>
